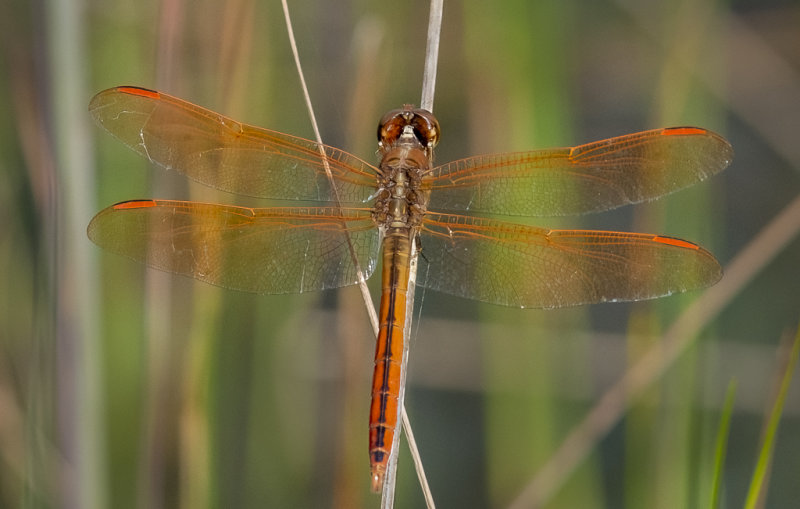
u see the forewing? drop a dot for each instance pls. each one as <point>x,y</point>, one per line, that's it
<point>228,155</point>
<point>587,178</point>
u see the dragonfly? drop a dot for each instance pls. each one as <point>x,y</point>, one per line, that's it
<point>367,212</point>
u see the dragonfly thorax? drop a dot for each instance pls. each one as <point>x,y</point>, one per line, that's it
<point>402,200</point>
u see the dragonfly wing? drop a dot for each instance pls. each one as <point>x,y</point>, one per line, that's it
<point>515,265</point>
<point>267,250</point>
<point>587,178</point>
<point>228,155</point>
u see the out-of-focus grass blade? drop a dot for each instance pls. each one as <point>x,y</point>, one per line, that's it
<point>765,455</point>
<point>722,442</point>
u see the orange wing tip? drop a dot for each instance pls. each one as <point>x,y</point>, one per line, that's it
<point>143,92</point>
<point>682,131</point>
<point>135,204</point>
<point>672,241</point>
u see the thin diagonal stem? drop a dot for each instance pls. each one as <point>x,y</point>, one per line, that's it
<point>612,406</point>
<point>373,316</point>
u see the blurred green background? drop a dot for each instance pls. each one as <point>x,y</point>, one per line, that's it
<point>122,387</point>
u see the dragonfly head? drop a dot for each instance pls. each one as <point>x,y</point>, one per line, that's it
<point>408,121</point>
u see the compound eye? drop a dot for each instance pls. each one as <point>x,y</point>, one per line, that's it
<point>426,127</point>
<point>391,127</point>
<point>422,122</point>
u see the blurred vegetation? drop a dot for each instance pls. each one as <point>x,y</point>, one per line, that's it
<point>121,387</point>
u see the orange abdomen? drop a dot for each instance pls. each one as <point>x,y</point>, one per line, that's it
<point>384,410</point>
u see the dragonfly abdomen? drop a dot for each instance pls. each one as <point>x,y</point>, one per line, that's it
<point>384,411</point>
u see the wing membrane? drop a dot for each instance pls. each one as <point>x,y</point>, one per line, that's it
<point>225,154</point>
<point>515,265</point>
<point>587,178</point>
<point>266,250</point>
